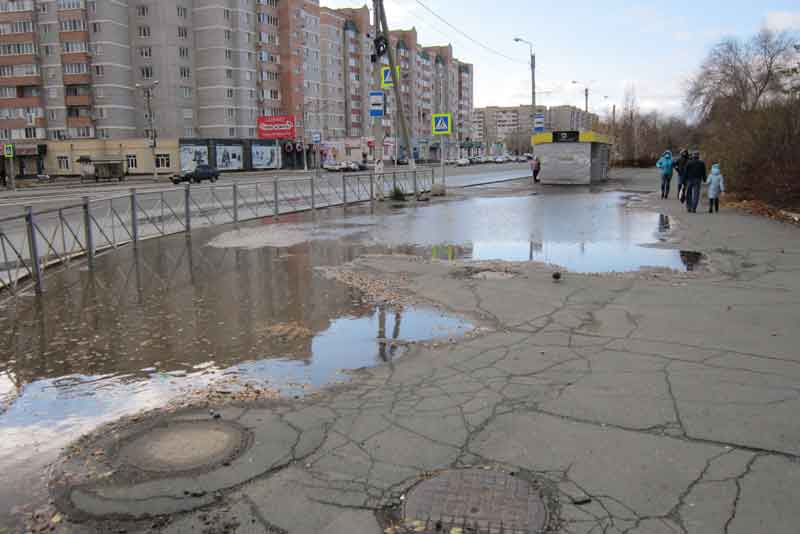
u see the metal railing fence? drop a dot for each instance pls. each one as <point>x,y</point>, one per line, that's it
<point>37,241</point>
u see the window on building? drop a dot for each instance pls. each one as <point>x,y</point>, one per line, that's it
<point>97,27</point>
<point>99,70</point>
<point>188,114</point>
<point>183,12</point>
<point>72,25</point>
<point>147,72</point>
<point>230,113</point>
<point>188,131</point>
<point>183,32</point>
<point>227,35</point>
<point>91,5</point>
<point>162,161</point>
<point>186,73</point>
<point>142,11</point>
<point>76,68</point>
<point>183,52</point>
<point>227,14</point>
<point>229,92</point>
<point>144,31</point>
<point>103,133</point>
<point>133,163</point>
<point>187,92</point>
<point>52,115</point>
<point>231,132</point>
<point>63,163</point>
<point>146,51</point>
<point>228,54</point>
<point>251,132</point>
<point>30,133</point>
<point>229,73</point>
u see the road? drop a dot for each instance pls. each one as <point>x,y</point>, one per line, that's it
<point>52,197</point>
<point>60,222</point>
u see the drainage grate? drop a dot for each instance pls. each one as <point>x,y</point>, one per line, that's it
<point>475,501</point>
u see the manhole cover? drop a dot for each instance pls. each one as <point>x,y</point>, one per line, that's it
<point>476,500</point>
<point>183,446</point>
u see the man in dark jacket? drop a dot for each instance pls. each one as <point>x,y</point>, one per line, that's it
<point>695,175</point>
<point>680,166</point>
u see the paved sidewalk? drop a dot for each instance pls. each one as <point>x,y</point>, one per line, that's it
<point>647,403</point>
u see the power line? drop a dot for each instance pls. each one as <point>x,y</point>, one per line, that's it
<point>472,39</point>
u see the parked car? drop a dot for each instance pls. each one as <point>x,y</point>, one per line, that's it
<point>474,160</point>
<point>402,161</point>
<point>200,173</point>
<point>350,166</point>
<point>500,159</point>
<point>333,166</point>
<point>463,162</point>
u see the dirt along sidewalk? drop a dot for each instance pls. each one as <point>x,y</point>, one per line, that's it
<point>647,402</point>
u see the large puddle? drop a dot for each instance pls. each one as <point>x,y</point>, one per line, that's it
<point>186,312</point>
<point>175,317</point>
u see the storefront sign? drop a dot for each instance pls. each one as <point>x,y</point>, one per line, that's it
<point>277,127</point>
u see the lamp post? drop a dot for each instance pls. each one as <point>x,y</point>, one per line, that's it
<point>585,92</point>
<point>533,85</point>
<point>148,96</point>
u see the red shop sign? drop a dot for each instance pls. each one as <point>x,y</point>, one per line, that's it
<point>277,127</point>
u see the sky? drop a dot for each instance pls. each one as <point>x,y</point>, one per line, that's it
<point>654,46</point>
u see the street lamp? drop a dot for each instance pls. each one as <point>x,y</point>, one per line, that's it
<point>533,84</point>
<point>585,90</point>
<point>148,95</point>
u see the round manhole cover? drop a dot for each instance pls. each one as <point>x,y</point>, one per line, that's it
<point>476,500</point>
<point>183,446</point>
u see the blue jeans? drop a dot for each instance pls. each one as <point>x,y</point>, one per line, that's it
<point>692,195</point>
<point>666,180</point>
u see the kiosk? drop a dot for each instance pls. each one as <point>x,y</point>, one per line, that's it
<point>572,158</point>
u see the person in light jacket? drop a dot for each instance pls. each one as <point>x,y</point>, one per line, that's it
<point>716,185</point>
<point>666,165</point>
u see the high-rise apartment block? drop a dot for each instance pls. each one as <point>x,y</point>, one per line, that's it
<point>495,126</point>
<point>72,71</point>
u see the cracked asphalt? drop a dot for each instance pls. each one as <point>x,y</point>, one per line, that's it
<point>660,403</point>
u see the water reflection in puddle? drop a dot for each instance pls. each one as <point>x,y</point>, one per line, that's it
<point>175,316</point>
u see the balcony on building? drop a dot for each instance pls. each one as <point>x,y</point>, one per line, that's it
<point>78,96</point>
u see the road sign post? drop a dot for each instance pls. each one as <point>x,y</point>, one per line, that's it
<point>8,162</point>
<point>442,124</point>
<point>376,103</point>
<point>386,77</point>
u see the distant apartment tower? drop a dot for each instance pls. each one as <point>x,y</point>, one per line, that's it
<point>357,70</point>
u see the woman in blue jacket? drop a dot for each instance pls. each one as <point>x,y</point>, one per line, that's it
<point>666,165</point>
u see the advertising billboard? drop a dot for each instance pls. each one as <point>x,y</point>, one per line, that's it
<point>277,127</point>
<point>192,156</point>
<point>266,157</point>
<point>229,158</point>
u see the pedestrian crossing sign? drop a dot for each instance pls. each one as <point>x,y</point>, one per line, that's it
<point>386,76</point>
<point>8,151</point>
<point>442,124</point>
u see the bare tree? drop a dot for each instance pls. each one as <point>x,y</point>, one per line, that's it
<point>743,73</point>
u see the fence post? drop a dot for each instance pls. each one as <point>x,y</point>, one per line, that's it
<point>344,190</point>
<point>371,186</point>
<point>416,191</point>
<point>134,218</point>
<point>394,181</point>
<point>87,228</point>
<point>276,211</point>
<point>34,250</point>
<point>187,197</point>
<point>236,203</point>
<point>313,196</point>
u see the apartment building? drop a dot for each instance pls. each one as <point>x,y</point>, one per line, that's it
<point>495,125</point>
<point>81,70</point>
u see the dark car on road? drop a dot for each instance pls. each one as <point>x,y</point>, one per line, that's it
<point>200,173</point>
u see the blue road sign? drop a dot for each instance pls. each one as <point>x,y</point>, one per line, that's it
<point>442,124</point>
<point>316,138</point>
<point>376,103</point>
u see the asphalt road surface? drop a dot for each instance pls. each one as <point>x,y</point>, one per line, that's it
<point>54,196</point>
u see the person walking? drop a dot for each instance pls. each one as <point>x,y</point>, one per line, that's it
<point>681,164</point>
<point>666,165</point>
<point>696,173</point>
<point>716,185</point>
<point>536,167</point>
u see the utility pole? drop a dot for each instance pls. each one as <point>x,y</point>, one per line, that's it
<point>586,91</point>
<point>533,88</point>
<point>303,138</point>
<point>396,83</point>
<point>377,64</point>
<point>148,96</point>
